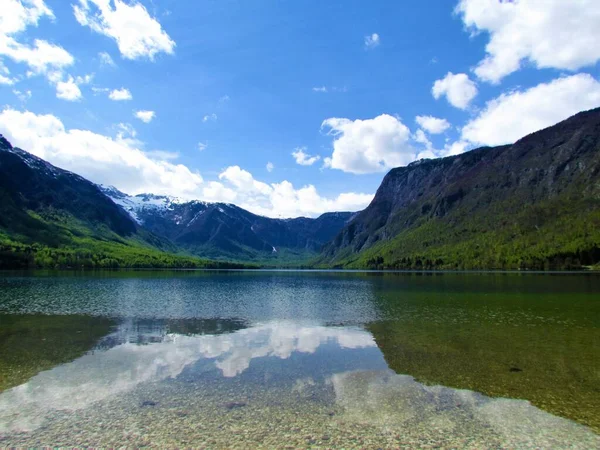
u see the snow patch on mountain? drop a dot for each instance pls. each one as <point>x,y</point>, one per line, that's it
<point>135,204</point>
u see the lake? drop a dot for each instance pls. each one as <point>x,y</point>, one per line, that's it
<point>299,359</point>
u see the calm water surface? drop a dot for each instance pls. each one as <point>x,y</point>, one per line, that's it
<point>299,359</point>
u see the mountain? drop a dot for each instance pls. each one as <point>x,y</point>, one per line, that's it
<point>223,230</point>
<point>531,205</point>
<point>52,217</point>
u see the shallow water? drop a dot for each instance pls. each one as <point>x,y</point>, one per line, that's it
<point>300,359</point>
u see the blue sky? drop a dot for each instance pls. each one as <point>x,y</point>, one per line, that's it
<point>326,93</point>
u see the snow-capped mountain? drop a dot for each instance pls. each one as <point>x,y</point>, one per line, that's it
<point>223,230</point>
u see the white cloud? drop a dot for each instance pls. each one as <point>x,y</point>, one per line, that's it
<point>15,17</point>
<point>120,94</point>
<point>224,99</point>
<point>304,159</point>
<point>290,202</point>
<point>106,59</point>
<point>86,79</point>
<point>422,138</point>
<point>550,34</point>
<point>68,90</point>
<point>217,192</point>
<point>22,95</point>
<point>244,181</point>
<point>432,125</point>
<point>208,117</point>
<point>516,114</point>
<point>372,40</point>
<point>282,199</point>
<point>145,115</point>
<point>270,166</point>
<point>325,89</point>
<point>114,161</point>
<point>137,34</point>
<point>458,89</point>
<point>202,146</point>
<point>367,146</point>
<point>5,75</point>
<point>455,148</point>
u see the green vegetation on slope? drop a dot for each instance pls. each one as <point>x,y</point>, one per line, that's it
<point>55,239</point>
<point>561,234</point>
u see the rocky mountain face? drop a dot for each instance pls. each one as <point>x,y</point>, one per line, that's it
<point>533,204</point>
<point>57,198</point>
<point>223,230</point>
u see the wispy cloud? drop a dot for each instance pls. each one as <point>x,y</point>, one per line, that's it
<point>372,41</point>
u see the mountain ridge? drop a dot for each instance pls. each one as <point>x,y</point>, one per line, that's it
<point>220,230</point>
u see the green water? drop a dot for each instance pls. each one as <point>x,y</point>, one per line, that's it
<point>299,359</point>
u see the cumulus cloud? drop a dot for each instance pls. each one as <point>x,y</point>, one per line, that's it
<point>208,117</point>
<point>283,199</point>
<point>307,201</point>
<point>550,34</point>
<point>137,34</point>
<point>114,161</point>
<point>270,166</point>
<point>145,115</point>
<point>304,159</point>
<point>372,41</point>
<point>244,181</point>
<point>68,90</point>
<point>120,94</point>
<point>432,125</point>
<point>367,146</point>
<point>459,89</point>
<point>217,192</point>
<point>515,114</point>
<point>202,146</point>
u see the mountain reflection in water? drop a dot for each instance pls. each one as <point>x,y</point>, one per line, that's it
<point>341,367</point>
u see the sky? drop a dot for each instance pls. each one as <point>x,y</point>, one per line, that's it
<point>285,108</point>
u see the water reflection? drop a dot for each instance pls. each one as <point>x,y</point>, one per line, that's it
<point>395,401</point>
<point>145,352</point>
<point>309,373</point>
